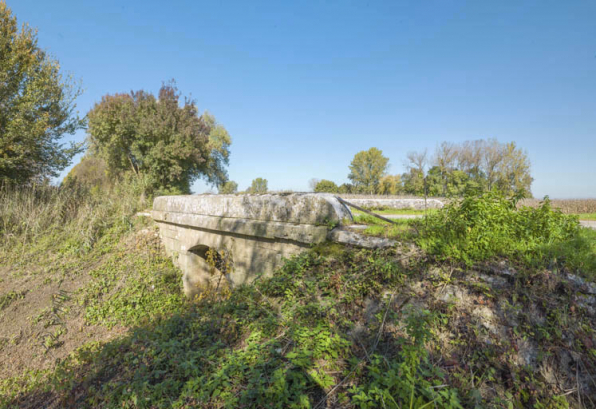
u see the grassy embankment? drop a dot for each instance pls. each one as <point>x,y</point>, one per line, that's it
<point>92,316</point>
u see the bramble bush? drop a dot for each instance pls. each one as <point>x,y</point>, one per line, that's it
<point>480,227</point>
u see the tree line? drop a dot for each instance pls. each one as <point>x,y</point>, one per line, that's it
<point>453,169</point>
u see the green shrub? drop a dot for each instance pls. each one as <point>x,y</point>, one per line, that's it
<point>481,227</point>
<point>408,380</point>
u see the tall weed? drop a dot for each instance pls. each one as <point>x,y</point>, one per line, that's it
<point>72,213</point>
<point>488,225</point>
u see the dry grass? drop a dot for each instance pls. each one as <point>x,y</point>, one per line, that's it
<point>34,211</point>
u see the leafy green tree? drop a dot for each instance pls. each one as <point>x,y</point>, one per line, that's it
<point>259,185</point>
<point>36,107</point>
<point>472,166</point>
<point>413,182</point>
<point>159,138</point>
<point>91,172</point>
<point>228,188</point>
<point>326,186</point>
<point>367,169</point>
<point>390,185</point>
<point>345,188</point>
<point>514,171</point>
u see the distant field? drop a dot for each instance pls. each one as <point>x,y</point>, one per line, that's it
<point>584,207</point>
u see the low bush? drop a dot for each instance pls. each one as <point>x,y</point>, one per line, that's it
<point>480,227</point>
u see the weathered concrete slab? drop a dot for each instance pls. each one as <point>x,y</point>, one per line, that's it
<point>359,240</point>
<point>256,231</point>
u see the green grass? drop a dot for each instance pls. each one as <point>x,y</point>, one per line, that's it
<point>587,216</point>
<point>400,229</point>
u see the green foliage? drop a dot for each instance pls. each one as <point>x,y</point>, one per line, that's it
<point>326,186</point>
<point>454,183</point>
<point>413,182</point>
<point>480,165</point>
<point>390,185</point>
<point>345,188</point>
<point>488,225</point>
<point>321,332</point>
<point>399,229</point>
<point>170,144</point>
<point>92,172</point>
<point>258,185</point>
<point>408,380</point>
<point>333,327</point>
<point>228,188</point>
<point>132,289</point>
<point>367,168</point>
<point>37,107</point>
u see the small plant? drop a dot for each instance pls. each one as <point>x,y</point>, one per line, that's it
<point>8,298</point>
<point>407,380</point>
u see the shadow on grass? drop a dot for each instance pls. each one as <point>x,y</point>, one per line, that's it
<point>203,357</point>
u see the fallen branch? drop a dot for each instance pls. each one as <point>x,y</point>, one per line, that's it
<point>365,211</point>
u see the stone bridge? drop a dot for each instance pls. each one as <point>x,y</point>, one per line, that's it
<point>252,233</point>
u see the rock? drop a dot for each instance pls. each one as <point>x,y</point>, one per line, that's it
<point>359,240</point>
<point>453,294</point>
<point>584,286</point>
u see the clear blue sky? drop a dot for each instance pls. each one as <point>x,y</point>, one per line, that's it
<point>302,86</point>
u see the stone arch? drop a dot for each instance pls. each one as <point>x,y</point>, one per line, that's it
<point>198,273</point>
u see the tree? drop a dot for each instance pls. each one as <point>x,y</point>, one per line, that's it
<point>444,161</point>
<point>159,138</point>
<point>228,188</point>
<point>390,185</point>
<point>514,171</point>
<point>259,185</point>
<point>413,182</point>
<point>326,186</point>
<point>345,188</point>
<point>479,165</point>
<point>367,169</point>
<point>417,163</point>
<point>91,172</point>
<point>312,183</point>
<point>36,107</point>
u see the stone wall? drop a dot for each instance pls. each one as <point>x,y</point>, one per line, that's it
<point>416,204</point>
